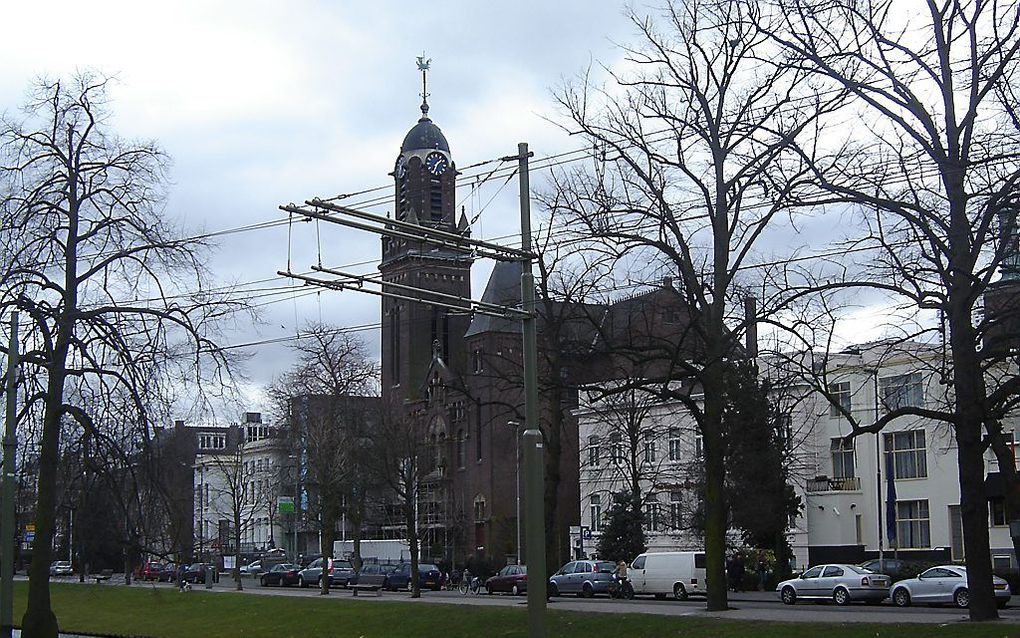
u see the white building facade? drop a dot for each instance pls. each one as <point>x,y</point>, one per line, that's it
<point>844,486</point>
<point>246,480</point>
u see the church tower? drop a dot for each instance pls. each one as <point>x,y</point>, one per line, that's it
<point>424,177</point>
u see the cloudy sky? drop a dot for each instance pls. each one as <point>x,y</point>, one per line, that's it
<point>263,103</point>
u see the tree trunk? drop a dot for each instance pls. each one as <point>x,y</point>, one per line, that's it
<point>327,532</point>
<point>39,620</point>
<point>236,571</point>
<point>412,544</point>
<point>127,567</point>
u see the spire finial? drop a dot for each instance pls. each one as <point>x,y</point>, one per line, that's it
<point>423,66</point>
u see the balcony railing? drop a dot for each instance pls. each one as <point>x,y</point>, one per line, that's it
<point>824,484</point>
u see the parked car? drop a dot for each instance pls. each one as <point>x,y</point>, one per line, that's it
<point>61,568</point>
<point>944,584</point>
<point>199,572</point>
<point>372,575</point>
<point>169,573</point>
<point>582,577</point>
<point>840,583</point>
<point>512,579</point>
<point>149,570</point>
<point>678,574</point>
<point>429,577</point>
<point>284,574</point>
<point>340,571</point>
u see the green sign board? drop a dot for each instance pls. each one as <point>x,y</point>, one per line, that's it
<point>285,505</point>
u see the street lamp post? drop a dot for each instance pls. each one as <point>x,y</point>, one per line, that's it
<point>517,456</point>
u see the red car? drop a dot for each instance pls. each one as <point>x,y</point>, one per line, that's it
<point>149,570</point>
<point>512,579</point>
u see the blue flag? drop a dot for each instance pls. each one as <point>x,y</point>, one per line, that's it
<point>890,499</point>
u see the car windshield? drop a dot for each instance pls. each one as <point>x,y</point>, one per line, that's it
<point>428,567</point>
<point>341,564</point>
<point>605,568</point>
<point>860,570</point>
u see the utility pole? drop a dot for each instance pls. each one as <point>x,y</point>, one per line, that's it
<point>534,448</point>
<point>7,531</point>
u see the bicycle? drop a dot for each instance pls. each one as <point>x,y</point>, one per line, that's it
<point>621,588</point>
<point>469,583</point>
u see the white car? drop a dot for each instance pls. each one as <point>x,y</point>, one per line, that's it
<point>838,583</point>
<point>943,584</point>
<point>61,568</point>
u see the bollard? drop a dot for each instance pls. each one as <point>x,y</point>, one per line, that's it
<point>210,576</point>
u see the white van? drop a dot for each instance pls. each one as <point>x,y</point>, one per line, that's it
<point>662,573</point>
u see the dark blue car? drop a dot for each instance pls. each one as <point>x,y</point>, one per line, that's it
<point>429,577</point>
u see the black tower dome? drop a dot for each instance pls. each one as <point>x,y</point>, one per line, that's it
<point>424,135</point>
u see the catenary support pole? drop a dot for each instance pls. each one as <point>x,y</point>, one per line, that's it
<point>7,532</point>
<point>534,448</point>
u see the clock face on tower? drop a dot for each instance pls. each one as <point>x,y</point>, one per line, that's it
<point>436,163</point>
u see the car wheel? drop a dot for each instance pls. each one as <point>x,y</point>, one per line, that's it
<point>901,597</point>
<point>789,595</point>
<point>679,591</point>
<point>554,590</point>
<point>301,582</point>
<point>962,598</point>
<point>264,582</point>
<point>841,597</point>
<point>587,591</point>
<point>515,590</point>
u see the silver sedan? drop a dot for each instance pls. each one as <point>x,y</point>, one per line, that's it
<point>840,583</point>
<point>943,584</point>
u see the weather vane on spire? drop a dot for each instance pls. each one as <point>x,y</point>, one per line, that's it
<point>423,66</point>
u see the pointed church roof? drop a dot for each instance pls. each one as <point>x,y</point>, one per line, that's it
<point>503,288</point>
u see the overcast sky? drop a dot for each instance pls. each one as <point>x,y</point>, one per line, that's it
<point>264,103</point>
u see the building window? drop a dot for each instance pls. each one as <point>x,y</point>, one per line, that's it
<point>912,525</point>
<point>595,508</point>
<point>840,393</point>
<point>842,458</point>
<point>676,510</point>
<point>649,446</point>
<point>477,364</point>
<point>479,509</point>
<point>901,391</point>
<point>652,514</point>
<point>997,510</point>
<point>478,440</point>
<point>908,454</point>
<point>461,449</point>
<point>593,450</point>
<point>675,449</point>
<point>616,447</point>
<point>698,452</point>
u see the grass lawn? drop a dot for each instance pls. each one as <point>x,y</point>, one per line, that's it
<point>159,613</point>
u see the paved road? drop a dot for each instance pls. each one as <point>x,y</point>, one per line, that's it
<point>745,605</point>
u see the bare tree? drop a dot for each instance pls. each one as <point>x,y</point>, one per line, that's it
<point>330,401</point>
<point>936,80</point>
<point>237,488</point>
<point>406,460</point>
<point>695,164</point>
<point>86,252</point>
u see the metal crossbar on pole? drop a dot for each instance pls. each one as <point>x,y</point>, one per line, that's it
<point>471,306</point>
<point>479,306</point>
<point>7,531</point>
